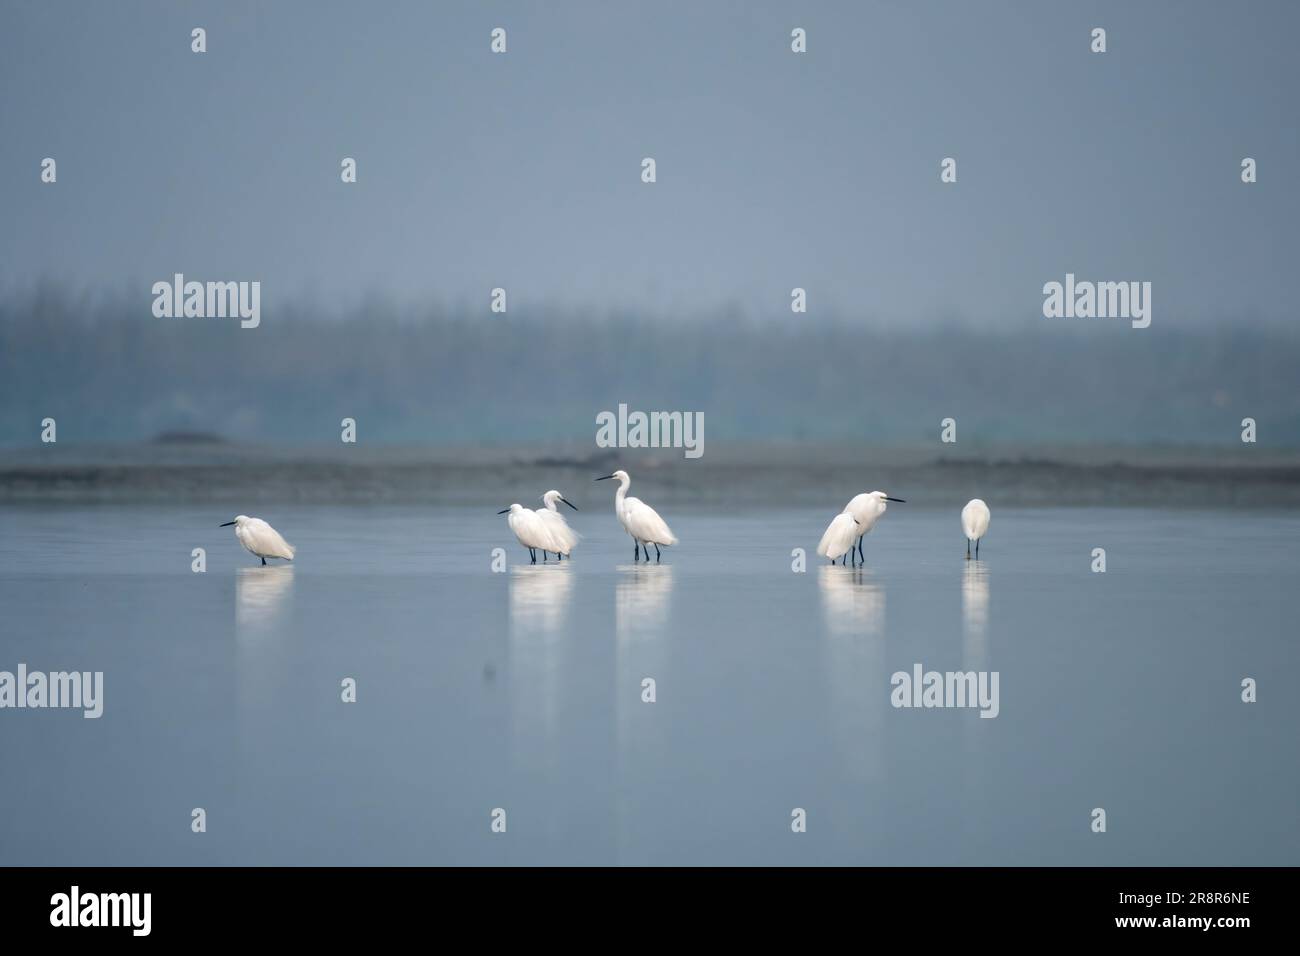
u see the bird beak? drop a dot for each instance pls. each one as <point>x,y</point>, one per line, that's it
<point>899,500</point>
<point>226,525</point>
<point>569,503</point>
<point>504,511</point>
<point>605,478</point>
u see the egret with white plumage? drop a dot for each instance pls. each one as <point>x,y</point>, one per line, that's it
<point>564,536</point>
<point>975,522</point>
<point>839,537</point>
<point>639,520</point>
<point>865,510</point>
<point>260,538</point>
<point>530,529</point>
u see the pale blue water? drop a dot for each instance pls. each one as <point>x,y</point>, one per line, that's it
<point>522,690</point>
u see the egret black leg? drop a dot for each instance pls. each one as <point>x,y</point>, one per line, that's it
<point>968,549</point>
<point>532,553</point>
<point>264,562</point>
<point>860,554</point>
<point>977,549</point>
<point>636,550</point>
<point>656,553</point>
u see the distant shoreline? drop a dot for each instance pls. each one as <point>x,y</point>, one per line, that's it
<point>748,474</point>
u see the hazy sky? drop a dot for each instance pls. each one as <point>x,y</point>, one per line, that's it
<point>775,169</point>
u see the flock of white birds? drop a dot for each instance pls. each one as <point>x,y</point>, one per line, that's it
<point>546,530</point>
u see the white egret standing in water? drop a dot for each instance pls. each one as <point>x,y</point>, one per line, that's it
<point>565,537</point>
<point>975,522</point>
<point>639,520</point>
<point>260,538</point>
<point>865,510</point>
<point>839,537</point>
<point>530,529</point>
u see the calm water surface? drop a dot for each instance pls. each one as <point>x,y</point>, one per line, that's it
<point>522,690</point>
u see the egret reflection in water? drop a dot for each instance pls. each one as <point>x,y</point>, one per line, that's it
<point>643,639</point>
<point>261,596</point>
<point>975,657</point>
<point>539,641</point>
<point>853,605</point>
<point>853,602</point>
<point>264,663</point>
<point>539,597</point>
<point>642,598</point>
<point>975,614</point>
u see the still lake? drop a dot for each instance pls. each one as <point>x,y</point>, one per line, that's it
<point>522,690</point>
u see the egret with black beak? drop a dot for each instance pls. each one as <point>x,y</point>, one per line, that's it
<point>260,538</point>
<point>530,529</point>
<point>865,510</point>
<point>639,520</point>
<point>564,536</point>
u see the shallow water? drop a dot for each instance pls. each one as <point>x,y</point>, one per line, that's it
<point>522,690</point>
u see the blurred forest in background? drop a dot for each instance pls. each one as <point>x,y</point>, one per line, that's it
<point>108,371</point>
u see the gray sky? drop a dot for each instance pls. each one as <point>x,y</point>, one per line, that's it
<point>775,170</point>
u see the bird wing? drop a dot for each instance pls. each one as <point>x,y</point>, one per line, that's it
<point>839,537</point>
<point>520,525</point>
<point>968,520</point>
<point>265,541</point>
<point>645,524</point>
<point>975,519</point>
<point>534,532</point>
<point>513,525</point>
<point>560,531</point>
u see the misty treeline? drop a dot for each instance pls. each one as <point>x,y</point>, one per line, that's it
<point>107,370</point>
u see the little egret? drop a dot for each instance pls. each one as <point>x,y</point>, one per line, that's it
<point>839,537</point>
<point>639,520</point>
<point>260,538</point>
<point>563,535</point>
<point>866,511</point>
<point>975,522</point>
<point>530,529</point>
